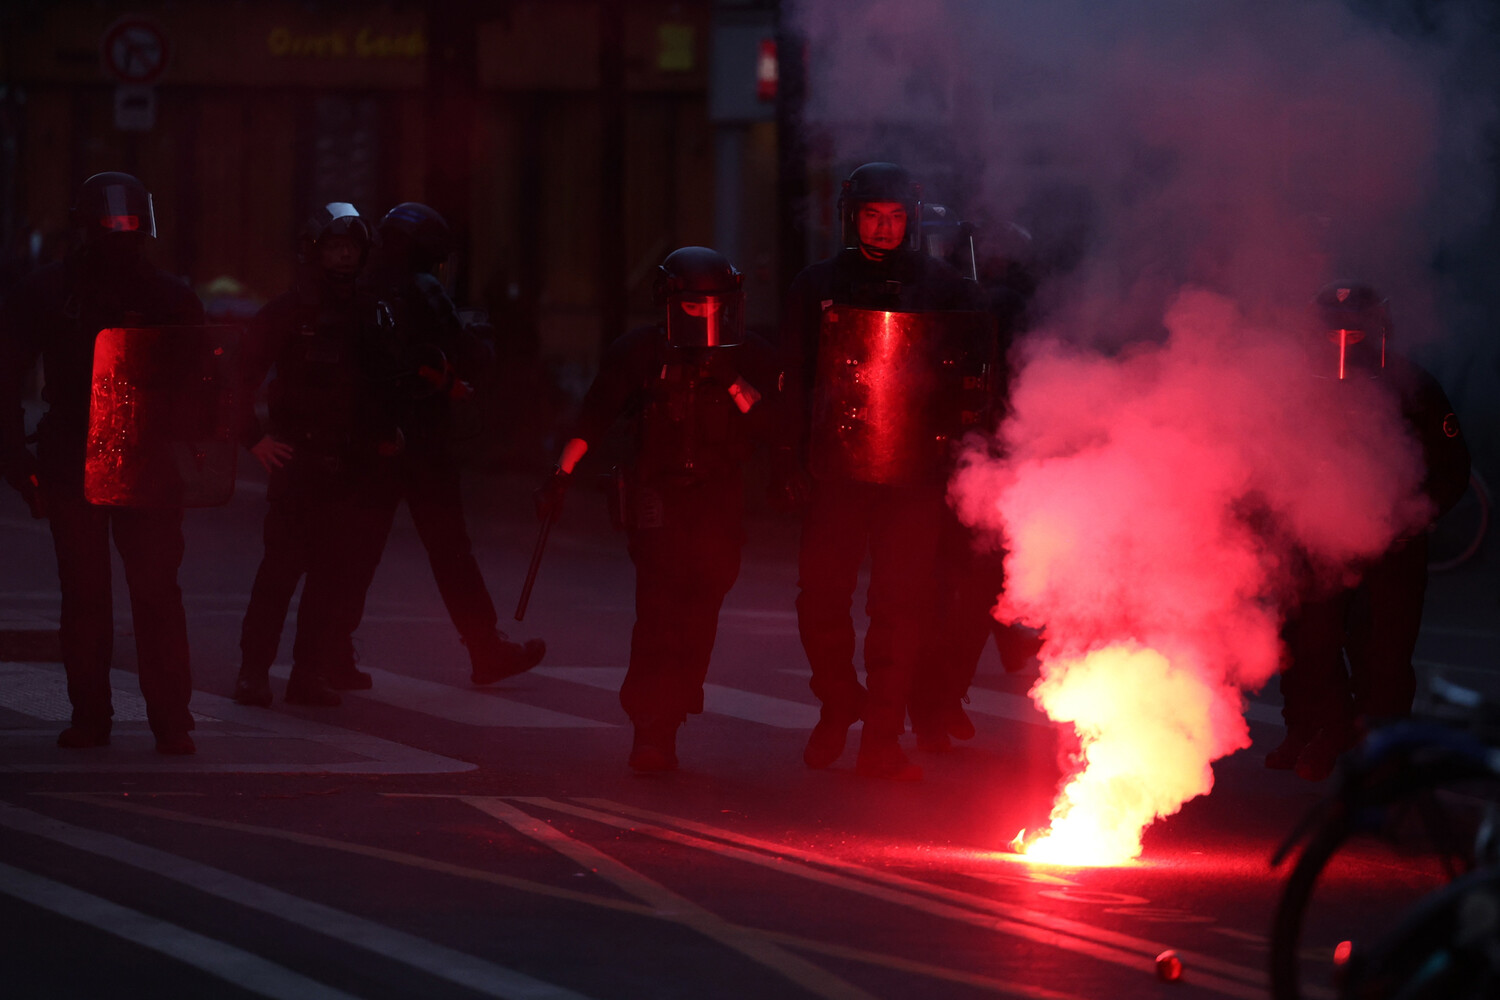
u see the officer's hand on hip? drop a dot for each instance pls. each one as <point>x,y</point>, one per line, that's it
<point>271,453</point>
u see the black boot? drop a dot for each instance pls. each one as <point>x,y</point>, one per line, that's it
<point>494,657</point>
<point>882,757</point>
<point>252,687</point>
<point>655,747</point>
<point>826,743</point>
<point>310,689</point>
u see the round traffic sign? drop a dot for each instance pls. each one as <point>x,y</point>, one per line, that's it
<point>134,51</point>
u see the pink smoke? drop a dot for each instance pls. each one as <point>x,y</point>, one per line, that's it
<point>1151,505</point>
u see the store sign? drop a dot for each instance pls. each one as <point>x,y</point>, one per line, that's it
<point>366,43</point>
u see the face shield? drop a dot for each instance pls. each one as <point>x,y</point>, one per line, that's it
<point>126,210</point>
<point>696,319</point>
<point>1357,353</point>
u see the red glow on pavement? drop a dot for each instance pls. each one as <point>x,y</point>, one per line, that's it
<point>1342,951</point>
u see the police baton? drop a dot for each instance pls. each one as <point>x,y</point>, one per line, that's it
<point>536,564</point>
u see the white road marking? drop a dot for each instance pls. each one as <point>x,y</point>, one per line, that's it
<point>434,959</point>
<point>41,691</point>
<point>926,897</point>
<point>717,699</point>
<point>470,705</point>
<point>308,747</point>
<point>229,963</point>
<point>670,905</point>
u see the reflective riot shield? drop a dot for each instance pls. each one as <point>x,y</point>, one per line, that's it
<point>894,390</point>
<point>163,417</point>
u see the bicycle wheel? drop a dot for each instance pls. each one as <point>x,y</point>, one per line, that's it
<point>1364,807</point>
<point>1445,948</point>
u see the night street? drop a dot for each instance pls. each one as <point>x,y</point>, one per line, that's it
<point>430,838</point>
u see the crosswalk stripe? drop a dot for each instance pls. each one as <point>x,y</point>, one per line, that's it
<point>470,706</point>
<point>458,967</point>
<point>332,750</point>
<point>249,972</point>
<point>781,713</point>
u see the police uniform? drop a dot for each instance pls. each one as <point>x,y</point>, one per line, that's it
<point>1376,622</point>
<point>331,505</point>
<point>56,313</point>
<point>424,320</point>
<point>899,525</point>
<point>694,417</point>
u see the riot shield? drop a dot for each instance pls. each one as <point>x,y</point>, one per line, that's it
<point>163,416</point>
<point>893,391</point>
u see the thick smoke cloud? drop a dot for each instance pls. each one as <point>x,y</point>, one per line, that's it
<point>1258,149</point>
<point>1171,471</point>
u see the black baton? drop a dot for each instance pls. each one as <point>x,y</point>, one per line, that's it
<point>536,564</point>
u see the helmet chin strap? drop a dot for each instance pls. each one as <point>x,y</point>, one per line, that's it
<point>875,253</point>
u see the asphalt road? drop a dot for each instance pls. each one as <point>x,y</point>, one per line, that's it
<point>431,839</point>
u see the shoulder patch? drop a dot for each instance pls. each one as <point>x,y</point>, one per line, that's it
<point>1450,425</point>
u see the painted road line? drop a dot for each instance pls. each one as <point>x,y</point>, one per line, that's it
<point>469,705</point>
<point>236,966</point>
<point>426,956</point>
<point>312,747</point>
<point>868,882</point>
<point>416,861</point>
<point>782,713</point>
<point>805,974</point>
<point>40,690</point>
<point>1038,926</point>
<point>611,903</point>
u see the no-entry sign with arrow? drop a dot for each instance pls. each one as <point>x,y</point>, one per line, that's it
<point>134,51</point>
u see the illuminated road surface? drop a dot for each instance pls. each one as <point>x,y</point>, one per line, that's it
<point>430,839</point>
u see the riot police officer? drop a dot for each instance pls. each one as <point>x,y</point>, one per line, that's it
<point>331,448</point>
<point>56,313</point>
<point>878,470</point>
<point>447,358</point>
<point>1376,621</point>
<point>697,393</point>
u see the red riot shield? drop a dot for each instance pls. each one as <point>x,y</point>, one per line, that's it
<point>894,390</point>
<point>163,417</point>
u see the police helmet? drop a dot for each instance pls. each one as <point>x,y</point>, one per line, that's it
<point>424,230</point>
<point>336,218</point>
<point>113,202</point>
<point>703,296</point>
<point>1356,320</point>
<point>880,182</point>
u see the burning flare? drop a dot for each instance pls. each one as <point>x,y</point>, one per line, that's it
<point>1150,505</point>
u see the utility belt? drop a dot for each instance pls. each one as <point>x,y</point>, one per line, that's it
<point>639,505</point>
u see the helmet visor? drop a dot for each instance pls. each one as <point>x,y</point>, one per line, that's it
<point>1357,351</point>
<point>127,210</point>
<point>706,320</point>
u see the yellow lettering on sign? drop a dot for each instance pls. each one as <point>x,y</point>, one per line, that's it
<point>368,43</point>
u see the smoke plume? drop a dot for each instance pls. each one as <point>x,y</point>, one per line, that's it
<point>1189,175</point>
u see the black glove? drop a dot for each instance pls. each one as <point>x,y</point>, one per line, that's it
<point>789,487</point>
<point>549,496</point>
